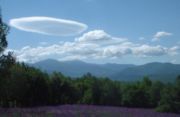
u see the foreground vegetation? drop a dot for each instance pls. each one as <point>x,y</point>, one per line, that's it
<point>82,111</point>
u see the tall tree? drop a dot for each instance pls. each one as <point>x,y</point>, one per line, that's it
<point>3,32</point>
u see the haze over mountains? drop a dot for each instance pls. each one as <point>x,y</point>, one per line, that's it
<point>123,72</point>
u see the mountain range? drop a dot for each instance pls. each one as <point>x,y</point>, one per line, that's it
<point>124,72</point>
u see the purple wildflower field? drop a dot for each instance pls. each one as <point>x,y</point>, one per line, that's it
<point>82,111</point>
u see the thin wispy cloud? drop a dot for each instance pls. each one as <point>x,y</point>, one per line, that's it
<point>92,45</point>
<point>48,26</point>
<point>159,35</point>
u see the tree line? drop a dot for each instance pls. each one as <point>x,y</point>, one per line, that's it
<point>25,86</point>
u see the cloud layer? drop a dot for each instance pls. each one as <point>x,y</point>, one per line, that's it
<point>48,26</point>
<point>95,44</point>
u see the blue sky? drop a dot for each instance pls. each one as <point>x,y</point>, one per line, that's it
<point>117,31</point>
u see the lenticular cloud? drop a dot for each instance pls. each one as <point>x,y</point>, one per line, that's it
<point>48,26</point>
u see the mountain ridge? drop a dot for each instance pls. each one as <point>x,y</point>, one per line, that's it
<point>125,72</point>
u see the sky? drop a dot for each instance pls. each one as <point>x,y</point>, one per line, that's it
<point>94,31</point>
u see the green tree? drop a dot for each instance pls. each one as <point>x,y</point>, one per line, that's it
<point>3,33</point>
<point>134,96</point>
<point>146,83</point>
<point>110,92</point>
<point>62,90</point>
<point>155,93</point>
<point>168,100</point>
<point>6,63</point>
<point>38,91</point>
<point>177,94</point>
<point>56,90</point>
<point>86,86</point>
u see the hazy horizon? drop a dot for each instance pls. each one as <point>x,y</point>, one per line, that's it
<point>98,63</point>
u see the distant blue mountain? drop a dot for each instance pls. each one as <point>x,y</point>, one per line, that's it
<point>125,72</point>
<point>78,68</point>
<point>166,72</point>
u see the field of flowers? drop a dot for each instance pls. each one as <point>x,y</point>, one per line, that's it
<point>82,111</point>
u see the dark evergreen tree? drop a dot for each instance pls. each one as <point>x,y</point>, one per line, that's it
<point>3,33</point>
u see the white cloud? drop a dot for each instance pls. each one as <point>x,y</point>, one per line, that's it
<point>160,35</point>
<point>174,50</point>
<point>147,50</point>
<point>95,35</point>
<point>48,26</point>
<point>99,36</point>
<point>90,47</point>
